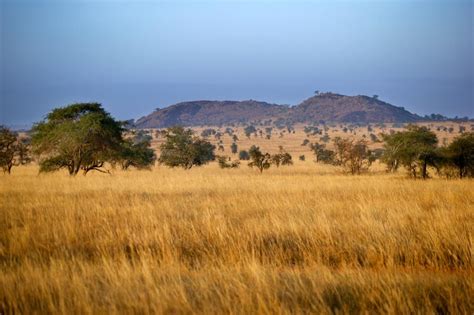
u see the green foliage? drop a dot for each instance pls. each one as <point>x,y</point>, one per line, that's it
<point>14,151</point>
<point>282,158</point>
<point>249,130</point>
<point>261,161</point>
<point>77,137</point>
<point>458,157</point>
<point>325,138</point>
<point>234,148</point>
<point>322,154</point>
<point>244,155</point>
<point>414,148</point>
<point>207,133</point>
<point>137,153</point>
<point>183,149</point>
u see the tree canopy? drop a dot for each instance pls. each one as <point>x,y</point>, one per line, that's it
<point>77,137</point>
<point>183,149</point>
<point>13,150</point>
<point>261,161</point>
<point>415,149</point>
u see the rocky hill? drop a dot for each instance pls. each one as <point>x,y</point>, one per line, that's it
<point>342,108</point>
<point>325,106</point>
<point>210,113</point>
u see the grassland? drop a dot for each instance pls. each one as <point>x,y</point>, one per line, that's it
<point>300,239</point>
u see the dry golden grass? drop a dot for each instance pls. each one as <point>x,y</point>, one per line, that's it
<point>301,239</point>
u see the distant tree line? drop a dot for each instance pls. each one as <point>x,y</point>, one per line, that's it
<point>84,137</point>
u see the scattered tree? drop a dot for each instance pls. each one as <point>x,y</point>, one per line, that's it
<point>183,149</point>
<point>353,155</point>
<point>459,155</point>
<point>244,155</point>
<point>14,151</point>
<point>282,158</point>
<point>234,148</point>
<point>414,148</point>
<point>261,161</point>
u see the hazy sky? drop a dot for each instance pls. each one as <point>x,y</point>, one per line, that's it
<point>134,56</point>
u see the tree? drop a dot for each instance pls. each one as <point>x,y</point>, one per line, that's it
<point>261,161</point>
<point>77,137</point>
<point>322,154</point>
<point>183,149</point>
<point>414,148</point>
<point>353,155</point>
<point>233,148</point>
<point>282,158</point>
<point>13,150</point>
<point>460,155</point>
<point>244,155</point>
<point>249,130</point>
<point>136,153</point>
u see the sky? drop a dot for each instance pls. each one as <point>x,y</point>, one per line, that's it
<point>135,56</point>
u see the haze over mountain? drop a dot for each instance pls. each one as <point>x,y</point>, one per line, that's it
<point>329,107</point>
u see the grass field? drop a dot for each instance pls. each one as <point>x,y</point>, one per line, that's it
<point>300,239</point>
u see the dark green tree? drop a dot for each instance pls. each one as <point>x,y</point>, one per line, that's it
<point>137,153</point>
<point>322,154</point>
<point>261,161</point>
<point>77,137</point>
<point>249,130</point>
<point>282,158</point>
<point>183,149</point>
<point>234,148</point>
<point>459,155</point>
<point>414,148</point>
<point>244,155</point>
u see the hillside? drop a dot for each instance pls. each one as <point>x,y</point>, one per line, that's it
<point>324,106</point>
<point>342,108</point>
<point>210,113</point>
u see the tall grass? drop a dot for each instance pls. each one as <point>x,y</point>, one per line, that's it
<point>301,239</point>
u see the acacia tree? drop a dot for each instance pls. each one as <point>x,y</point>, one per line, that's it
<point>136,153</point>
<point>261,161</point>
<point>322,154</point>
<point>414,148</point>
<point>353,155</point>
<point>282,158</point>
<point>13,150</point>
<point>77,137</point>
<point>183,149</point>
<point>459,155</point>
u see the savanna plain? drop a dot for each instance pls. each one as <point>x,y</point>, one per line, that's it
<point>300,239</point>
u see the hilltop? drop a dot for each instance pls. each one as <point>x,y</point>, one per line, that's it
<point>324,106</point>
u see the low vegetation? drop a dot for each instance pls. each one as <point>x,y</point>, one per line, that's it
<point>179,239</point>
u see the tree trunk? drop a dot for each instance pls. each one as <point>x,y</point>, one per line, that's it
<point>423,170</point>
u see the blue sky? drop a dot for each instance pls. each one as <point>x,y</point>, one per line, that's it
<point>135,56</point>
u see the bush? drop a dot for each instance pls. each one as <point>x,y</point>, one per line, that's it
<point>244,155</point>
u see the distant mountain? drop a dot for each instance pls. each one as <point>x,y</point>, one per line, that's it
<point>342,108</point>
<point>329,107</point>
<point>210,113</point>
